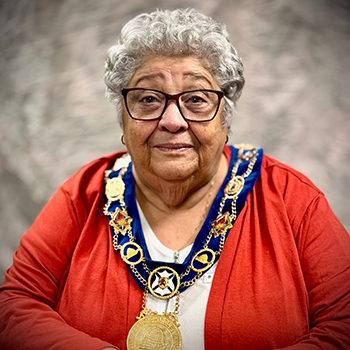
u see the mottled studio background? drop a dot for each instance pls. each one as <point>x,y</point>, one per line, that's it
<point>54,117</point>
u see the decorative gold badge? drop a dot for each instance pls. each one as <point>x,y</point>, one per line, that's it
<point>221,224</point>
<point>203,260</point>
<point>121,221</point>
<point>245,156</point>
<point>153,332</point>
<point>115,188</point>
<point>234,187</point>
<point>244,146</point>
<point>131,253</point>
<point>122,162</point>
<point>163,282</point>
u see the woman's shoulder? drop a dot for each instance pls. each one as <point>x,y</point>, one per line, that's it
<point>89,180</point>
<point>283,176</point>
<point>282,190</point>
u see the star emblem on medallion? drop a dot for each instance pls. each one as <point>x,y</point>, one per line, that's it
<point>163,282</point>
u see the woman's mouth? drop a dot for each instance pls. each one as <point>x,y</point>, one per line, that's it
<point>173,147</point>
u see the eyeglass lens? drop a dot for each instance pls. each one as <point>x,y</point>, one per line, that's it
<point>194,105</point>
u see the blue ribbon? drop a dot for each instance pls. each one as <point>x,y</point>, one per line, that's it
<point>130,202</point>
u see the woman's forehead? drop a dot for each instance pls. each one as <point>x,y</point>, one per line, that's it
<point>164,69</point>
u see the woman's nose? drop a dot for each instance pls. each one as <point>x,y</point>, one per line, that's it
<point>172,120</point>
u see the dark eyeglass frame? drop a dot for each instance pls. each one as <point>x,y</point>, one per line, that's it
<point>175,97</point>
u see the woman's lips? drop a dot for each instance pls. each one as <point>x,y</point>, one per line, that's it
<point>173,147</point>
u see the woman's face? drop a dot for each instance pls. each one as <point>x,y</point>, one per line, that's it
<point>172,148</point>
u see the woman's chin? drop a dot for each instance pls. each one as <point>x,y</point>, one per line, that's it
<point>174,170</point>
<point>172,175</point>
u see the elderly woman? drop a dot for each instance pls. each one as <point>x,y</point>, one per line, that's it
<point>183,242</point>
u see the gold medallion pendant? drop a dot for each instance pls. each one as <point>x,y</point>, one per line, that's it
<point>153,332</point>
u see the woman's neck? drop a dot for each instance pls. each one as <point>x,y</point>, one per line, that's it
<point>176,215</point>
<point>168,196</point>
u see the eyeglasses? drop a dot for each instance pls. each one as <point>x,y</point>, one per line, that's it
<point>149,104</point>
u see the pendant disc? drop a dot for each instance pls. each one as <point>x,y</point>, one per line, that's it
<point>163,282</point>
<point>154,332</point>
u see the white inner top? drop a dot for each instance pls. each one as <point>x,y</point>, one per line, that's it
<point>193,301</point>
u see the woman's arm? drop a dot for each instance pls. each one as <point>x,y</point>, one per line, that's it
<point>28,296</point>
<point>324,248</point>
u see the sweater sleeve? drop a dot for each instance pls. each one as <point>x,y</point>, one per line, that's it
<point>324,249</point>
<point>28,296</point>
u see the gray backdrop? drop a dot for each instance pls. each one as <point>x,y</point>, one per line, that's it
<point>54,117</point>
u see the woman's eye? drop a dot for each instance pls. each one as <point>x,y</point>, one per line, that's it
<point>148,99</point>
<point>196,99</point>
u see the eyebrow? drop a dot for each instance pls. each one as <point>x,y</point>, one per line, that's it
<point>148,77</point>
<point>198,76</point>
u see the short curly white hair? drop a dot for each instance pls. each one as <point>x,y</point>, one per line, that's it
<point>182,32</point>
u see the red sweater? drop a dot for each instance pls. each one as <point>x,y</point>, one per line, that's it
<point>282,281</point>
